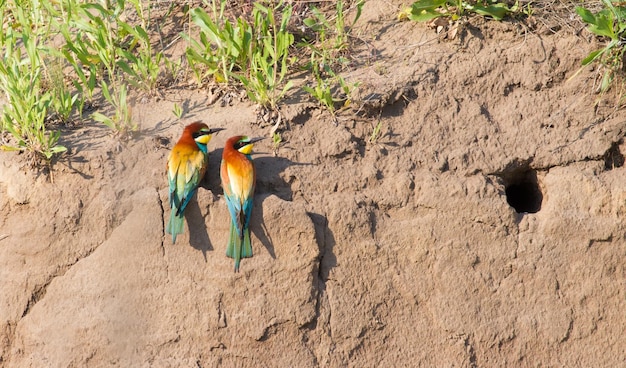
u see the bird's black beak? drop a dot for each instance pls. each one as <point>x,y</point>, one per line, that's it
<point>215,130</point>
<point>252,140</point>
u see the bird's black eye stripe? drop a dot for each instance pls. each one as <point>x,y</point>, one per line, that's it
<point>199,133</point>
<point>241,144</point>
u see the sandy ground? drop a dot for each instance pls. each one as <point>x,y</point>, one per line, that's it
<point>402,251</point>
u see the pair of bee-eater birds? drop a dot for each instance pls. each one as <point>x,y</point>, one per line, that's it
<point>186,166</point>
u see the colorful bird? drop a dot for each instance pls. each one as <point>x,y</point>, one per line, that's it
<point>186,166</point>
<point>238,180</point>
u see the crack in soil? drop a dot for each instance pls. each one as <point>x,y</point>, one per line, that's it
<point>37,295</point>
<point>326,261</point>
<point>319,282</point>
<point>162,222</point>
<point>40,290</point>
<point>162,243</point>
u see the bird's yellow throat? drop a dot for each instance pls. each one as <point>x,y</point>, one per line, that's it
<point>247,149</point>
<point>204,139</point>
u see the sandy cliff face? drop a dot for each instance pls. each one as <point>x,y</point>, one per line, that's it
<point>405,249</point>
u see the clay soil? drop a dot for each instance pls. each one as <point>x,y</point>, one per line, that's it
<point>483,227</point>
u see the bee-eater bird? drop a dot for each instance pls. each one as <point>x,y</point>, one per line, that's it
<point>238,180</point>
<point>186,166</point>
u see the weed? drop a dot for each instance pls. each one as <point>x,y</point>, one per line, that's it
<point>609,22</point>
<point>173,69</point>
<point>98,37</point>
<point>322,91</point>
<point>222,47</point>
<point>270,54</point>
<point>21,80</point>
<point>425,10</point>
<point>62,100</point>
<point>331,40</point>
<point>323,94</point>
<point>332,33</point>
<point>177,111</point>
<point>144,68</point>
<point>277,139</point>
<point>121,122</point>
<point>376,132</point>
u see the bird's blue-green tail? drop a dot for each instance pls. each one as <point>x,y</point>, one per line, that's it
<point>175,225</point>
<point>238,248</point>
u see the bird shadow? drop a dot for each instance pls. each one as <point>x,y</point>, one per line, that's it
<point>257,225</point>
<point>211,180</point>
<point>198,235</point>
<point>269,182</point>
<point>269,179</point>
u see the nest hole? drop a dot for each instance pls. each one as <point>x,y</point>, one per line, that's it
<point>523,192</point>
<point>613,157</point>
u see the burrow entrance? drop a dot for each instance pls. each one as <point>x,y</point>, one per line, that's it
<point>613,157</point>
<point>522,190</point>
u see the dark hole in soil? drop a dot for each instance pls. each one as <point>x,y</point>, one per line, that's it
<point>523,193</point>
<point>613,157</point>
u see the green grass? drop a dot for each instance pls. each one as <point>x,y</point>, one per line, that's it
<point>110,51</point>
<point>425,10</point>
<point>60,56</point>
<point>22,81</point>
<point>254,52</point>
<point>326,51</point>
<point>610,24</point>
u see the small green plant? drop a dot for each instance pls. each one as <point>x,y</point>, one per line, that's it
<point>332,32</point>
<point>85,83</point>
<point>173,69</point>
<point>326,82</point>
<point>255,53</point>
<point>177,111</point>
<point>140,60</point>
<point>144,66</point>
<point>222,48</point>
<point>609,22</point>
<point>376,132</point>
<point>62,100</point>
<point>24,116</point>
<point>122,121</point>
<point>97,38</point>
<point>323,94</point>
<point>425,10</point>
<point>84,67</point>
<point>277,139</point>
<point>331,41</point>
<point>264,84</point>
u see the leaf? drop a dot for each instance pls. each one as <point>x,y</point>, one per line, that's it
<point>606,81</point>
<point>418,6</point>
<point>586,15</point>
<point>10,148</point>
<point>58,149</point>
<point>359,10</point>
<point>591,57</point>
<point>600,24</point>
<point>285,18</point>
<point>103,119</point>
<point>309,90</point>
<point>424,15</point>
<point>287,87</point>
<point>497,11</point>
<point>312,23</point>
